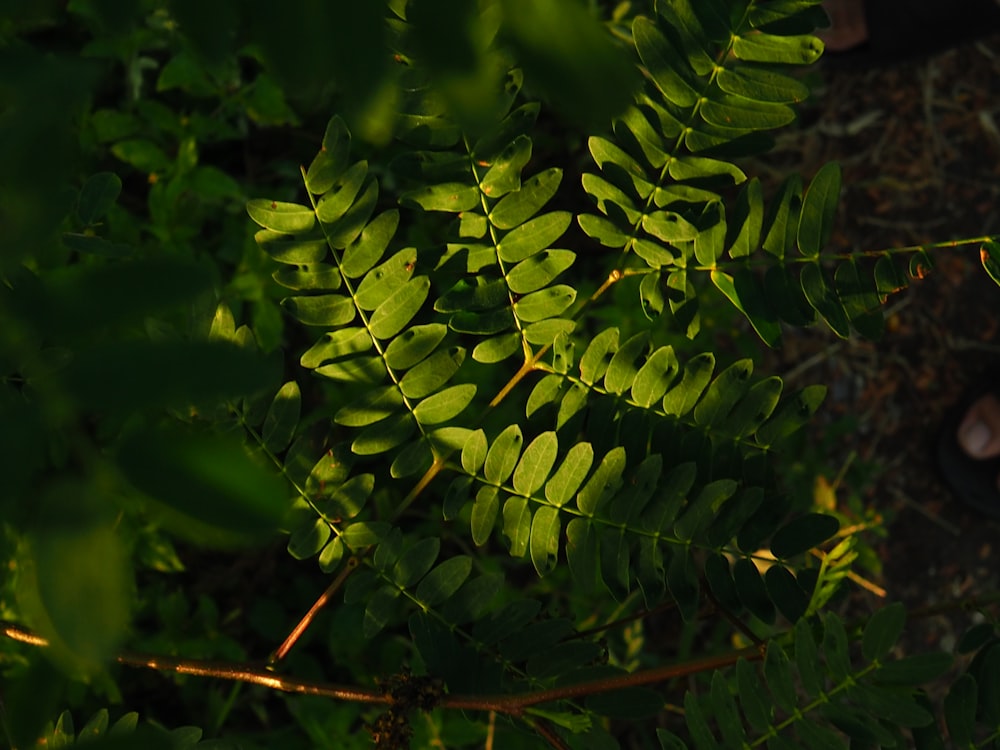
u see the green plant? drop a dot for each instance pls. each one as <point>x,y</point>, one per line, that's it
<point>513,497</point>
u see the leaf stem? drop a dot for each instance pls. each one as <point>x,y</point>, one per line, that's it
<point>282,651</point>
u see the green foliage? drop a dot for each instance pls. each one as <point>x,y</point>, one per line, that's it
<point>427,398</point>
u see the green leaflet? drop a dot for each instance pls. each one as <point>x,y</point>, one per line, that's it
<point>382,281</point>
<point>803,533</point>
<point>726,714</point>
<point>960,710</point>
<point>367,249</point>
<point>882,631</point>
<point>536,463</point>
<point>723,393</point>
<point>823,298</point>
<point>308,539</point>
<point>611,200</point>
<point>819,209</point>
<point>347,500</point>
<point>767,48</point>
<point>443,581</point>
<point>331,310</point>
<point>761,84</point>
<point>278,216</point>
<point>517,525</point>
<point>743,291</point>
<point>697,724</point>
<point>545,303</point>
<point>503,454</point>
<point>484,513</point>
<point>989,254</point>
<point>336,344</point>
<point>634,123</point>
<point>391,316</point>
<point>445,404</point>
<point>282,418</point>
<point>384,435</point>
<point>517,207</point>
<point>745,228</point>
<point>654,376</point>
<point>751,693</point>
<point>622,370</point>
<point>666,68</point>
<point>603,482</point>
<point>777,673</point>
<point>602,230</point>
<point>413,345</point>
<point>669,226</point>
<point>535,235</point>
<point>504,174</point>
<point>860,299</point>
<point>348,228</point>
<point>783,218</point>
<point>545,530</point>
<point>372,406</point>
<point>691,167</point>
<point>727,111</point>
<point>331,160</point>
<point>370,370</point>
<point>415,562</point>
<point>596,358</point>
<point>682,397</point>
<point>479,293</point>
<point>314,276</point>
<point>286,249</point>
<point>335,202</point>
<point>570,474</point>
<point>497,348</point>
<point>623,170</point>
<point>474,452</point>
<point>790,599</point>
<point>358,536</point>
<point>381,608</point>
<point>432,373</point>
<point>450,196</point>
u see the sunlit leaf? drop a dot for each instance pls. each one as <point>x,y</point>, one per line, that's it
<point>398,309</point>
<point>536,463</point>
<point>537,234</point>
<point>504,174</point>
<point>545,530</point>
<point>330,310</point>
<point>451,196</point>
<point>445,404</point>
<point>335,203</point>
<point>503,454</point>
<point>484,514</point>
<point>433,372</point>
<point>517,207</point>
<point>278,216</point>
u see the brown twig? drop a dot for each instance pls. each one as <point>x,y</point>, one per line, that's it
<point>282,651</point>
<point>509,704</point>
